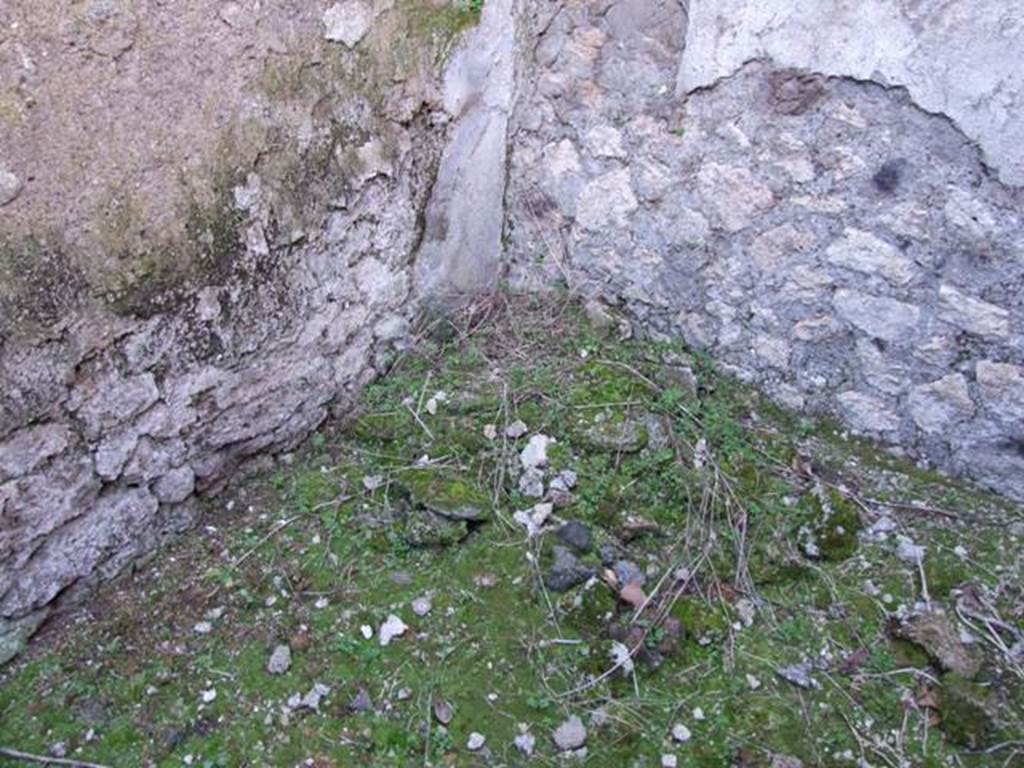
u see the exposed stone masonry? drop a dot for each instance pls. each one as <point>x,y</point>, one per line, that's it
<point>821,236</point>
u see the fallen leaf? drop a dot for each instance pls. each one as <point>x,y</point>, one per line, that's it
<point>633,594</point>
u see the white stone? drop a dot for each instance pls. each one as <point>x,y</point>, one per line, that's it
<point>525,743</point>
<point>571,734</point>
<point>909,552</point>
<point>10,187</point>
<point>347,22</point>
<point>561,159</point>
<point>1002,389</point>
<point>535,454</point>
<point>681,733</point>
<point>864,252</point>
<point>607,201</point>
<point>866,413</point>
<point>973,315</point>
<point>209,695</point>
<point>879,316</point>
<point>203,628</point>
<point>605,141</point>
<point>516,429</point>
<point>280,660</point>
<point>938,405</point>
<point>669,761</point>
<point>734,194</point>
<point>367,631</point>
<point>391,628</point>
<point>476,742</point>
<point>421,606</point>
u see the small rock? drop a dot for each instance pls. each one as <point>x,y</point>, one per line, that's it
<point>58,749</point>
<point>367,631</point>
<point>571,734</point>
<point>753,682</point>
<point>438,399</point>
<point>490,432</point>
<point>373,482</point>
<point>935,633</point>
<point>361,702</point>
<point>10,187</point>
<point>564,481</point>
<point>421,606</point>
<point>669,761</point>
<point>525,743</point>
<point>516,429</point>
<point>486,580</point>
<point>576,535</point>
<point>347,22</point>
<point>476,741</point>
<point>209,695</point>
<point>799,675</point>
<point>566,571</point>
<point>909,552</point>
<point>698,713</point>
<point>203,628</point>
<point>531,484</point>
<point>628,572</point>
<point>280,660</point>
<point>535,454</point>
<point>681,733</point>
<point>404,694</point>
<point>443,712</point>
<point>393,627</point>
<point>312,699</point>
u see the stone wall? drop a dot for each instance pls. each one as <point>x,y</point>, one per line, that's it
<point>252,270</point>
<point>829,232</point>
<point>218,221</point>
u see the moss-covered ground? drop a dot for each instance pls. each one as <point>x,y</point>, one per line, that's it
<point>758,532</point>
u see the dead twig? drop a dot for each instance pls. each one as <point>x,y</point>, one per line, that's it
<point>28,757</point>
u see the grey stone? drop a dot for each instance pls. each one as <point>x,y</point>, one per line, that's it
<point>465,215</point>
<point>734,194</point>
<point>973,315</point>
<point>864,252</point>
<point>628,572</point>
<point>29,448</point>
<point>531,484</point>
<point>576,535</point>
<point>10,187</point>
<point>605,141</point>
<point>571,734</point>
<point>280,660</point>
<point>935,407</point>
<point>935,633</point>
<point>607,201</point>
<point>879,316</point>
<point>14,633</point>
<point>347,22</point>
<point>525,743</point>
<point>566,571</point>
<point>866,413</point>
<point>1002,389</point>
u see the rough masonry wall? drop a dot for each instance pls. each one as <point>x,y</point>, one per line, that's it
<point>289,287</point>
<point>822,236</point>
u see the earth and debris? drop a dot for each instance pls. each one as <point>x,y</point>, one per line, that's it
<point>536,543</point>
